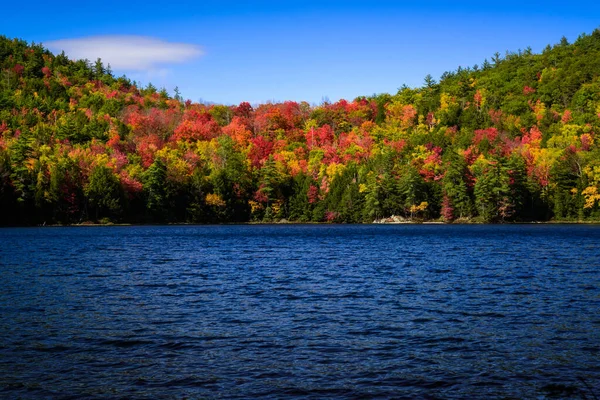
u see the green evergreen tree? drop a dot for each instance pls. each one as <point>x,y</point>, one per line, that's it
<point>104,194</point>
<point>456,187</point>
<point>156,189</point>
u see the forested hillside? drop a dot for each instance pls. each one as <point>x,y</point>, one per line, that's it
<point>513,139</point>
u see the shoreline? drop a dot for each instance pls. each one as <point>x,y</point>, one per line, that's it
<point>376,222</point>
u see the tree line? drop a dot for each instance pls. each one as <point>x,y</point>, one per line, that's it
<point>513,139</point>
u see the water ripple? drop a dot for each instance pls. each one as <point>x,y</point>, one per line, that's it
<point>312,312</point>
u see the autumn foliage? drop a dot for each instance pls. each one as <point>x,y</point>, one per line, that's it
<point>78,144</point>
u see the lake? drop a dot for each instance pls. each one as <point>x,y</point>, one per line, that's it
<point>300,311</point>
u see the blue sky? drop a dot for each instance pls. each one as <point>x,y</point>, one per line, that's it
<point>257,51</point>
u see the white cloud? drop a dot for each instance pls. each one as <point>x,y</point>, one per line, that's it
<point>132,53</point>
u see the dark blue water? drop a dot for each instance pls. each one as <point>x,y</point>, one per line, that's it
<point>410,311</point>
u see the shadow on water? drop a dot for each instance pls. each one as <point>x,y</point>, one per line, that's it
<point>581,390</point>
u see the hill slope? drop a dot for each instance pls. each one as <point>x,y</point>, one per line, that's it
<point>513,139</point>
